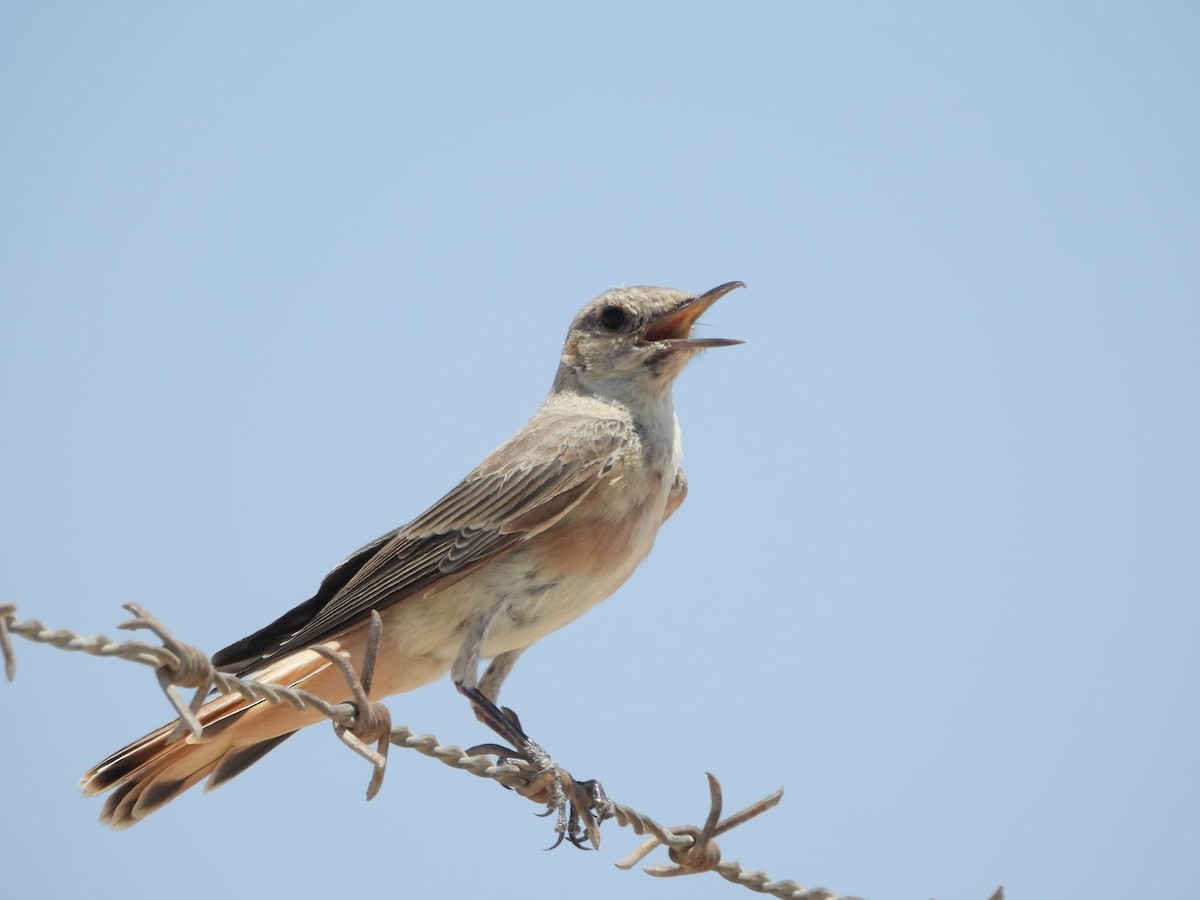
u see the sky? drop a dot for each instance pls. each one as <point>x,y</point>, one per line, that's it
<point>275,276</point>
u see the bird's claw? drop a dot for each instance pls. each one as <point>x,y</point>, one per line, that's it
<point>578,806</point>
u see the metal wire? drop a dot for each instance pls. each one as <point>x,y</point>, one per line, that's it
<point>361,722</point>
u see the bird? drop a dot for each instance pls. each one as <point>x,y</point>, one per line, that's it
<point>548,525</point>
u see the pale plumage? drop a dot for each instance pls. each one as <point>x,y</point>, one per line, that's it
<point>548,525</point>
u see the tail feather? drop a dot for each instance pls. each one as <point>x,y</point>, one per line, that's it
<point>124,764</point>
<point>150,772</point>
<point>238,760</point>
<point>115,799</point>
<point>137,799</point>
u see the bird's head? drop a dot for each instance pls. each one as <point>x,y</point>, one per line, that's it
<point>636,338</point>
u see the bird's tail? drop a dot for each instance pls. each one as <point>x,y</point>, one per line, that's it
<point>152,771</point>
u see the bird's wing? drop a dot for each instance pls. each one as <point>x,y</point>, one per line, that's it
<point>520,489</point>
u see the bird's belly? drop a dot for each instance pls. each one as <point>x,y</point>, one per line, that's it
<point>543,598</point>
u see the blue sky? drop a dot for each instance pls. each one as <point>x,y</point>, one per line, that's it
<point>275,276</point>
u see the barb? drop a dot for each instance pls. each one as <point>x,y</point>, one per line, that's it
<point>190,668</point>
<point>7,610</point>
<point>700,854</point>
<point>373,720</point>
<point>360,722</point>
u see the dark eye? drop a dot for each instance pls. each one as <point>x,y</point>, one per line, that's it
<point>612,317</point>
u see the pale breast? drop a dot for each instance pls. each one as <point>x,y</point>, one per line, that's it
<point>581,560</point>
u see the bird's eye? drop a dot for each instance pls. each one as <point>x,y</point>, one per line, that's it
<point>612,317</point>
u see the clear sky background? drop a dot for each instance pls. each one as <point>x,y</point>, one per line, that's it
<point>275,276</point>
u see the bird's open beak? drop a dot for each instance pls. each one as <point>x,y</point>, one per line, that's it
<point>676,326</point>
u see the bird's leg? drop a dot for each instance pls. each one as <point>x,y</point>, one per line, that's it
<point>482,693</point>
<point>484,699</point>
<point>497,672</point>
<point>505,723</point>
<point>580,806</point>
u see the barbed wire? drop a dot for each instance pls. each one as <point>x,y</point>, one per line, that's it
<point>361,722</point>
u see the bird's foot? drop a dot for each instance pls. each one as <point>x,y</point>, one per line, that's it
<point>578,806</point>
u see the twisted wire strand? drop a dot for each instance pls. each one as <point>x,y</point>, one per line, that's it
<point>158,657</point>
<point>691,848</point>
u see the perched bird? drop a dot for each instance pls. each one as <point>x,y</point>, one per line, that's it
<point>548,525</point>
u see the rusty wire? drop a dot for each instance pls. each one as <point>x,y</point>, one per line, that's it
<point>360,722</point>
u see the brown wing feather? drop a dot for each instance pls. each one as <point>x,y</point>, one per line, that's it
<point>521,488</point>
